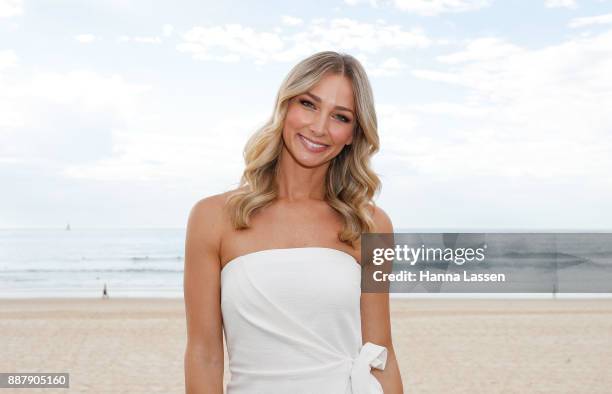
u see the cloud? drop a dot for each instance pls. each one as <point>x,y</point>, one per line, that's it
<point>388,67</point>
<point>560,3</point>
<point>438,76</point>
<point>291,21</point>
<point>435,7</point>
<point>10,115</point>
<point>167,30</point>
<point>140,39</point>
<point>488,48</point>
<point>234,42</point>
<point>535,113</point>
<point>176,153</point>
<point>8,59</point>
<point>604,19</point>
<point>429,7</point>
<point>233,38</point>
<point>373,3</point>
<point>90,90</point>
<point>85,38</point>
<point>10,8</point>
<point>455,110</point>
<point>56,118</point>
<point>95,126</point>
<point>102,149</point>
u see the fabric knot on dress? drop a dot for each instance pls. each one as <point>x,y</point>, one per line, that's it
<point>362,380</point>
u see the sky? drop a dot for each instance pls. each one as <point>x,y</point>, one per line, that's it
<point>491,114</point>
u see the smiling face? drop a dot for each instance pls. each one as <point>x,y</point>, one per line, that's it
<point>320,122</point>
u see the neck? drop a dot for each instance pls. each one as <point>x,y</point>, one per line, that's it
<point>298,183</point>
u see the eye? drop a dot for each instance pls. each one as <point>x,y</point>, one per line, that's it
<point>344,118</point>
<point>306,103</point>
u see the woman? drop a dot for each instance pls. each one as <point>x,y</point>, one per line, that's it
<point>275,263</point>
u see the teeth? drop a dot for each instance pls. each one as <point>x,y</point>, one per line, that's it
<point>312,144</point>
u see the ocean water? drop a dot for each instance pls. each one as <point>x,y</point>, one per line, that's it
<point>77,263</point>
<point>150,262</point>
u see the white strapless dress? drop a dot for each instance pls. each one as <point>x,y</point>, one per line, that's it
<point>292,324</point>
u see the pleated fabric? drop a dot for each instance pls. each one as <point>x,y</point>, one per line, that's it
<point>292,324</point>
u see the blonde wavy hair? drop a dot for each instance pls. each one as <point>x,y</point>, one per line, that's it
<point>350,182</point>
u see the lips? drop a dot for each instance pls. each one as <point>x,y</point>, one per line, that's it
<point>311,145</point>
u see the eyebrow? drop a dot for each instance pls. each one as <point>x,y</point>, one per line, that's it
<point>318,100</point>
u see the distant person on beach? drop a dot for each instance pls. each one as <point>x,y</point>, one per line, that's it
<point>104,292</point>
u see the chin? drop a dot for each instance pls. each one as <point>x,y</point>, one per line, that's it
<point>311,163</point>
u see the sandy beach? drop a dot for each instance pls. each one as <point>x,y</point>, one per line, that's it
<point>443,346</point>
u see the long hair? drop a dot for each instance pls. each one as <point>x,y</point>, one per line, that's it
<point>350,183</point>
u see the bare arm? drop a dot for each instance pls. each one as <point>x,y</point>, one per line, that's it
<point>201,282</point>
<point>376,322</point>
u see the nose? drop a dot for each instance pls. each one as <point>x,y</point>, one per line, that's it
<point>319,124</point>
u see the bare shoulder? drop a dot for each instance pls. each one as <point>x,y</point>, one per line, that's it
<point>211,207</point>
<point>382,222</point>
<point>208,218</point>
<point>206,210</point>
